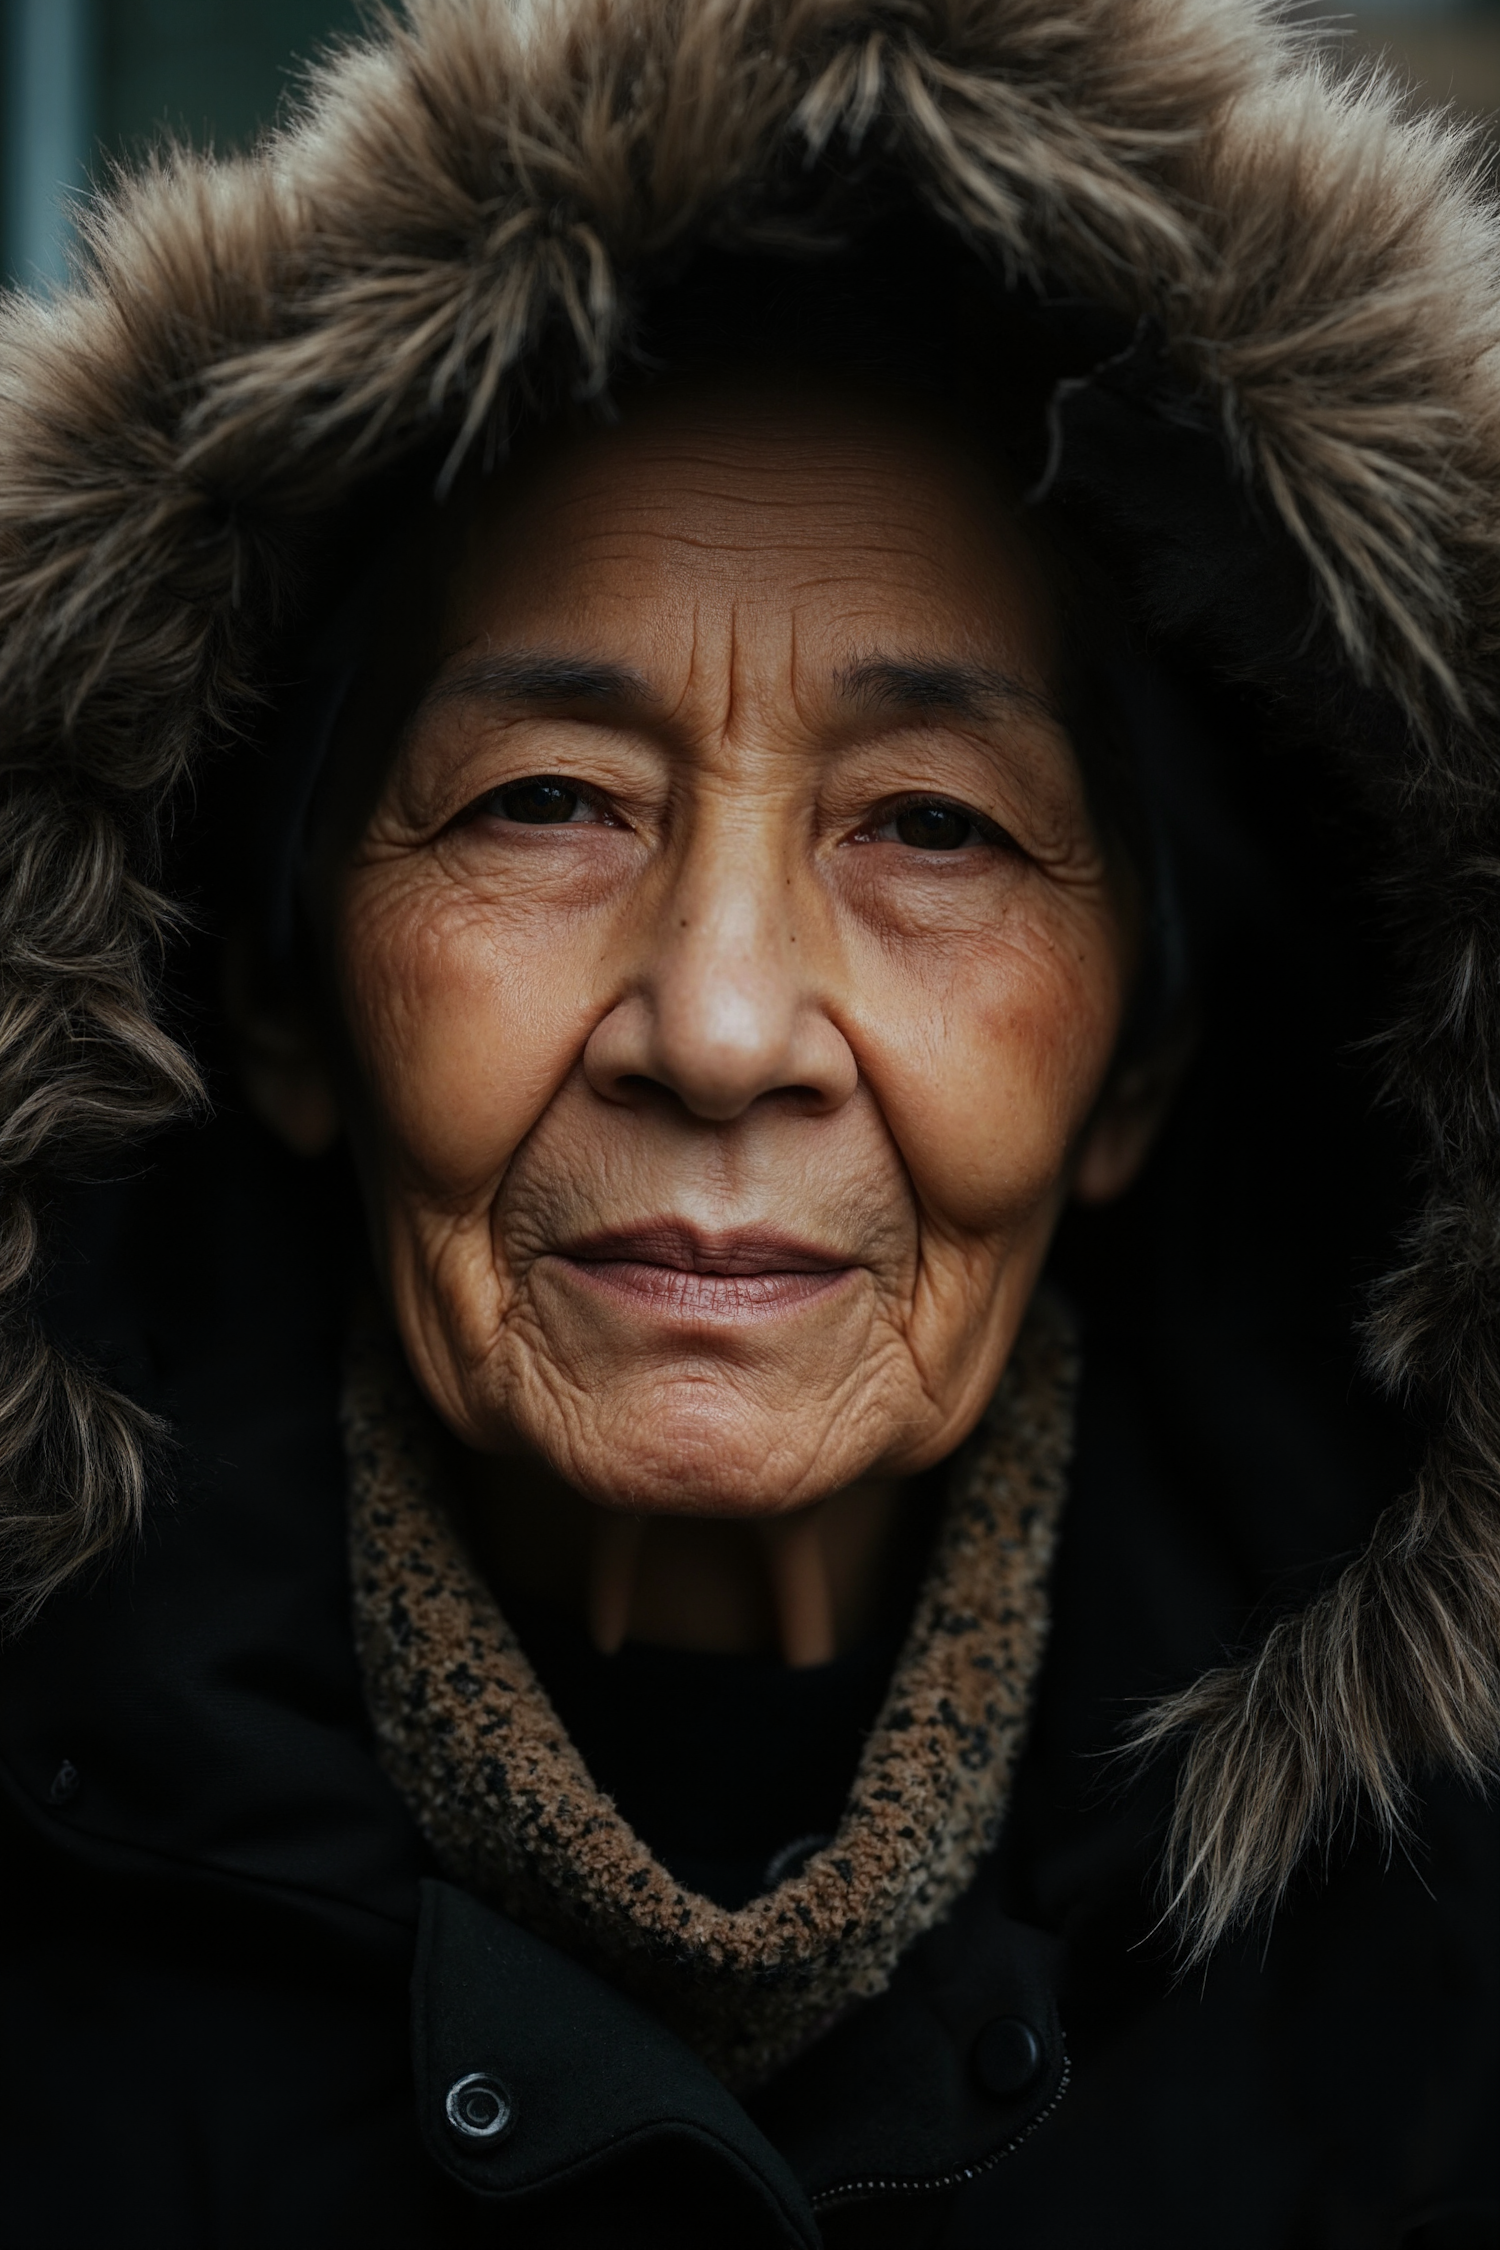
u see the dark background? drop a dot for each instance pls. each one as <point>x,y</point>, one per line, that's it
<point>84,80</point>
<point>87,79</point>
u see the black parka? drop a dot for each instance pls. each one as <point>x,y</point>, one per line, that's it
<point>238,1996</point>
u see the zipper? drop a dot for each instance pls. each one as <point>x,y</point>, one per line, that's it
<point>852,2190</point>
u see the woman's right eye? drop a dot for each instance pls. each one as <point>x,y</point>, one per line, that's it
<point>541,801</point>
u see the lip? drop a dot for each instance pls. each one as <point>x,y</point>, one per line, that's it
<point>679,1245</point>
<point>672,1270</point>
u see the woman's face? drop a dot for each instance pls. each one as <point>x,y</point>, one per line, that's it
<point>730,967</point>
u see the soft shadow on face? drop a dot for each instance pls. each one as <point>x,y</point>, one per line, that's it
<point>729,970</point>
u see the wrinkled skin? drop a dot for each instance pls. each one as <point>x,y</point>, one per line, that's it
<point>708,980</point>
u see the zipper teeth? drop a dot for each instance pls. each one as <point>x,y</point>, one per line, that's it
<point>944,2180</point>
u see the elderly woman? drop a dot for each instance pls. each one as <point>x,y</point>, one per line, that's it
<point>757,728</point>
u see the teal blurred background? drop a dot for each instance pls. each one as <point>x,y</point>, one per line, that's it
<point>85,76</point>
<point>81,77</point>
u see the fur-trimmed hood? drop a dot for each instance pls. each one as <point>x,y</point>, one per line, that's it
<point>1286,448</point>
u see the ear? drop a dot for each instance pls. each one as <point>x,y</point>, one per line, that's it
<point>282,1064</point>
<point>1120,1135</point>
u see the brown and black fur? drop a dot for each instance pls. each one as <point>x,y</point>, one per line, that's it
<point>482,189</point>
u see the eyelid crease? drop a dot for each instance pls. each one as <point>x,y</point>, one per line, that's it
<point>892,808</point>
<point>595,799</point>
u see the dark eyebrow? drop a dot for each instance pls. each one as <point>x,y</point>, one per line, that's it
<point>526,675</point>
<point>941,686</point>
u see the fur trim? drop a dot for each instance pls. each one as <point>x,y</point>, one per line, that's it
<point>472,1743</point>
<point>480,191</point>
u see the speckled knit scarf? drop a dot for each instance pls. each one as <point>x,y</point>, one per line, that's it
<point>474,1746</point>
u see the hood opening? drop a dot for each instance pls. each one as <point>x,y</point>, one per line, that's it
<point>1252,311</point>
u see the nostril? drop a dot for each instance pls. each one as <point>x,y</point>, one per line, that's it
<point>638,1085</point>
<point>717,1062</point>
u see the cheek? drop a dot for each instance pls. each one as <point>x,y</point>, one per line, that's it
<point>988,1060</point>
<point>458,1037</point>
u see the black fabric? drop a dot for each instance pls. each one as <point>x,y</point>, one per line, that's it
<point>492,2002</point>
<point>191,2060</point>
<point>212,1894</point>
<point>206,1700</point>
<point>913,2096</point>
<point>724,1765</point>
<point>923,2091</point>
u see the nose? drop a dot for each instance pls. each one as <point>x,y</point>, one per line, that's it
<point>725,1007</point>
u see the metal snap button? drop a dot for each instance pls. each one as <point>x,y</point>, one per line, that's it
<point>479,2107</point>
<point>1007,2055</point>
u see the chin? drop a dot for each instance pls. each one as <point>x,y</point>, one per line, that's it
<point>698,1448</point>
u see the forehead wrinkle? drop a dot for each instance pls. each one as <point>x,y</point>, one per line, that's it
<point>734,469</point>
<point>702,668</point>
<point>763,490</point>
<point>715,543</point>
<point>659,509</point>
<point>731,671</point>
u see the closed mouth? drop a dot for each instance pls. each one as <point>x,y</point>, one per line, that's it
<point>678,1271</point>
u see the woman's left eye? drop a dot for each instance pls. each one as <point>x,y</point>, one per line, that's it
<point>932,824</point>
<point>541,801</point>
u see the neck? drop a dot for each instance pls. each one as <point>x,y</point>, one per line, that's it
<point>809,1584</point>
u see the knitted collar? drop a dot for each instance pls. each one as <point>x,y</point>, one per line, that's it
<point>473,1745</point>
